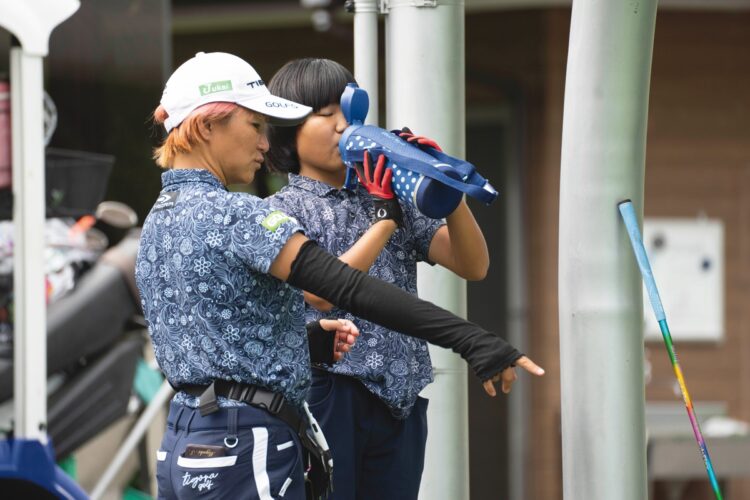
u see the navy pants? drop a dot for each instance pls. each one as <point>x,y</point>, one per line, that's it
<point>375,456</point>
<point>234,453</point>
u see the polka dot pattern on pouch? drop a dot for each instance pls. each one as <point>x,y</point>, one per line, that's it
<point>404,183</point>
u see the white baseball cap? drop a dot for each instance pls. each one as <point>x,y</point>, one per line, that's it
<point>222,77</point>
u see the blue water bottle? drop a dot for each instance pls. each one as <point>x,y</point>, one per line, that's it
<point>426,178</point>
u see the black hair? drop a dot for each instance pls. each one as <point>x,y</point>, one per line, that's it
<point>313,82</point>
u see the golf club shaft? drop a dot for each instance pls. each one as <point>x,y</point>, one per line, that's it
<point>631,223</point>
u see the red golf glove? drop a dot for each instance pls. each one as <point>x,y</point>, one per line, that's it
<point>418,140</point>
<point>377,181</point>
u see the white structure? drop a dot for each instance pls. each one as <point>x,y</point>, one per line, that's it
<point>425,90</point>
<point>31,22</point>
<point>366,53</point>
<point>687,259</point>
<point>601,340</point>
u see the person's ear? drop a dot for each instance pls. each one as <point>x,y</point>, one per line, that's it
<point>204,129</point>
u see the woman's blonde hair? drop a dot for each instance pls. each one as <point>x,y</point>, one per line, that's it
<point>185,136</point>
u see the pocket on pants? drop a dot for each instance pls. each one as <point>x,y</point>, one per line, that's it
<point>321,387</point>
<point>163,462</point>
<point>206,463</point>
<point>215,475</point>
<point>283,462</point>
<point>261,466</point>
<point>163,479</point>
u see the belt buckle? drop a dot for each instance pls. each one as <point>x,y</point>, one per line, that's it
<point>276,403</point>
<point>247,393</point>
<point>208,403</point>
<point>271,401</point>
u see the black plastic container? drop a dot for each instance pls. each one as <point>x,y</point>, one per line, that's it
<point>76,182</point>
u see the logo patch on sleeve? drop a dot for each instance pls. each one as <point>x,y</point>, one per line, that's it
<point>166,200</point>
<point>274,220</point>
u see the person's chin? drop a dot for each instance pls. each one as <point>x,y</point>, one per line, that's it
<point>251,172</point>
<point>244,179</point>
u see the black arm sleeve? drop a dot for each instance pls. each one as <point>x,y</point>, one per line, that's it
<point>324,275</point>
<point>320,342</point>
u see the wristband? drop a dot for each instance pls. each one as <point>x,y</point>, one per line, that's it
<point>320,342</point>
<point>388,209</point>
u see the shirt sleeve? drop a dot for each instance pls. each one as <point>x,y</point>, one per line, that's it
<point>292,204</point>
<point>422,230</point>
<point>259,232</point>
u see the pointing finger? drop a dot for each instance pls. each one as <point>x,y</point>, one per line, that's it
<point>529,366</point>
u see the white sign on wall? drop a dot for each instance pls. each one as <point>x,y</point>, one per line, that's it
<point>687,258</point>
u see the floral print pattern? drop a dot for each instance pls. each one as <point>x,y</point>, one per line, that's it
<point>393,366</point>
<point>212,310</point>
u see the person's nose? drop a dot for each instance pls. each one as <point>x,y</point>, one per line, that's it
<point>341,122</point>
<point>263,144</point>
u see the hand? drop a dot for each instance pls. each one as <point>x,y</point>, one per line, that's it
<point>377,182</point>
<point>417,140</point>
<point>508,376</point>
<point>346,335</point>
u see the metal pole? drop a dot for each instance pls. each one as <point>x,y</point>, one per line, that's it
<point>601,340</point>
<point>519,400</point>
<point>31,22</point>
<point>134,437</point>
<point>426,92</point>
<point>30,318</point>
<point>366,53</point>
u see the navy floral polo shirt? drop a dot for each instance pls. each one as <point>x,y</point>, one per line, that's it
<point>393,366</point>
<point>212,311</point>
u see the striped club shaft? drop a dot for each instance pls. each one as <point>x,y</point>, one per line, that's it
<point>631,223</point>
<point>690,410</point>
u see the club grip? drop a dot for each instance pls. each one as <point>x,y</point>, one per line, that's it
<point>631,223</point>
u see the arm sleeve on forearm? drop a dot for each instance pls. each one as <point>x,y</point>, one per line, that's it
<point>324,275</point>
<point>320,342</point>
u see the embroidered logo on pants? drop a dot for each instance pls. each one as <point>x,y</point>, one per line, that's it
<point>203,482</point>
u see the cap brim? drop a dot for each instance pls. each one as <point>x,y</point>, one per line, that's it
<point>278,110</point>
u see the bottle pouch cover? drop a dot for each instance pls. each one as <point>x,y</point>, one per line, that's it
<point>426,178</point>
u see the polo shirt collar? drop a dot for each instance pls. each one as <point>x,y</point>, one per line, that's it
<point>314,186</point>
<point>190,175</point>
